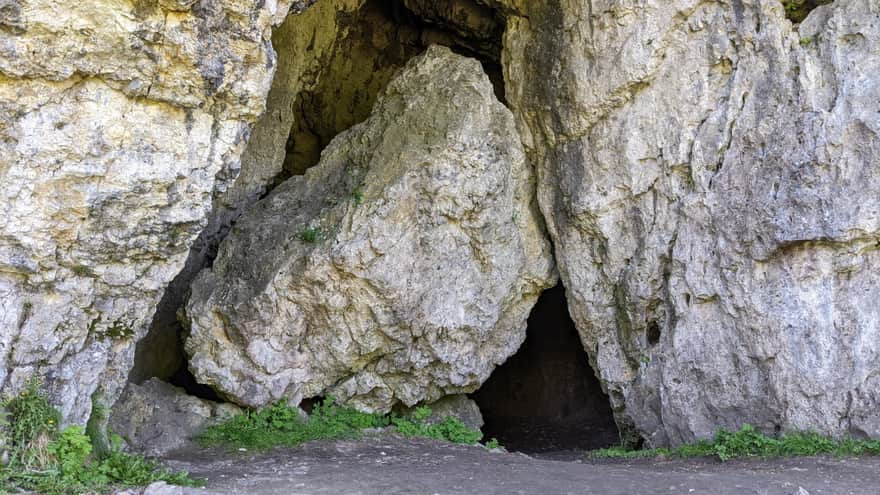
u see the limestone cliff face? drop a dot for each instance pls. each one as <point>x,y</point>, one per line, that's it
<point>707,173</point>
<point>709,177</point>
<point>117,125</point>
<point>401,269</point>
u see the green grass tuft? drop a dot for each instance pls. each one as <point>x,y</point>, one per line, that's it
<point>310,235</point>
<point>797,10</point>
<point>450,429</point>
<point>749,442</point>
<point>492,444</point>
<point>282,425</point>
<point>357,196</point>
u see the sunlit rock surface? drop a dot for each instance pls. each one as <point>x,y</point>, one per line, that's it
<point>118,122</point>
<point>401,269</point>
<point>709,177</point>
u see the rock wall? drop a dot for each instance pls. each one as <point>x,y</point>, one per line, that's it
<point>117,125</point>
<point>708,174</point>
<point>401,269</point>
<point>705,170</point>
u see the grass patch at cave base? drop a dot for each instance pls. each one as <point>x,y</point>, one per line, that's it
<point>749,442</point>
<point>282,425</point>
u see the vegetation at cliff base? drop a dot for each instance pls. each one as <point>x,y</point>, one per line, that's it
<point>38,455</point>
<point>282,425</point>
<point>749,442</point>
<point>797,10</point>
<point>450,429</point>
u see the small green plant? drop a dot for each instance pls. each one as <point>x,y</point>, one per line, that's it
<point>797,10</point>
<point>749,442</point>
<point>33,422</point>
<point>357,196</point>
<point>71,450</point>
<point>493,444</point>
<point>805,41</point>
<point>450,429</point>
<point>282,425</point>
<point>310,235</point>
<point>42,458</point>
<point>119,330</point>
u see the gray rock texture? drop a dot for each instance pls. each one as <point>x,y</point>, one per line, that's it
<point>332,63</point>
<point>399,270</point>
<point>708,172</point>
<point>156,418</point>
<point>118,123</point>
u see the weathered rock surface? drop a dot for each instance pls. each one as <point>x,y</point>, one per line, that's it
<point>304,46</point>
<point>333,62</point>
<point>707,172</point>
<point>118,123</point>
<point>156,418</point>
<point>400,269</point>
<point>709,176</point>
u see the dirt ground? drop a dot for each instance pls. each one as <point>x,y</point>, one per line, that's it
<point>391,465</point>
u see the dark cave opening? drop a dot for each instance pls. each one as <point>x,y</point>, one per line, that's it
<point>546,397</point>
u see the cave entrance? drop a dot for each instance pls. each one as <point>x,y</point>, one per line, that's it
<point>546,399</point>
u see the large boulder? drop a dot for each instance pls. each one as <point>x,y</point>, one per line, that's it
<point>709,176</point>
<point>401,269</point>
<point>118,123</point>
<point>156,418</point>
<point>332,62</point>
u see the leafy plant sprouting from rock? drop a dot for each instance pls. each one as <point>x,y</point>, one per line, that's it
<point>797,10</point>
<point>119,330</point>
<point>39,456</point>
<point>310,235</point>
<point>282,425</point>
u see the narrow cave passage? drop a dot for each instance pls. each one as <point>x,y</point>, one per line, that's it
<point>546,398</point>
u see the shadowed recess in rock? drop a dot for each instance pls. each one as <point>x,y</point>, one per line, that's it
<point>546,397</point>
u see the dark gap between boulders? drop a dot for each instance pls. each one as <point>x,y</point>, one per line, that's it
<point>546,399</point>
